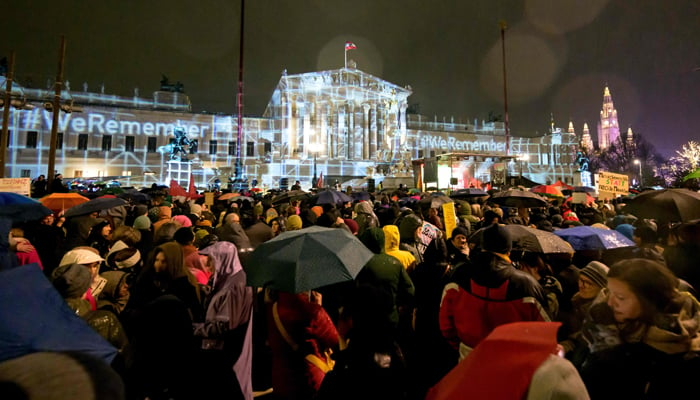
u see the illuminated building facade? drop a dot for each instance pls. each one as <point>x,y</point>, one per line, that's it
<point>344,123</point>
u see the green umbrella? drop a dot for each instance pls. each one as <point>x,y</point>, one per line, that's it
<point>693,175</point>
<point>306,259</point>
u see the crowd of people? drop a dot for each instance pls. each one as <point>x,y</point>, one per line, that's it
<point>163,280</point>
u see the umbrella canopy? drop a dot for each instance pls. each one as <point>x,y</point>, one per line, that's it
<point>529,239</point>
<point>668,205</point>
<point>134,196</point>
<point>290,195</point>
<point>547,191</point>
<point>360,196</point>
<point>468,193</point>
<point>586,189</point>
<point>306,259</point>
<point>228,196</point>
<point>19,208</point>
<point>53,326</point>
<point>561,185</point>
<point>95,205</point>
<point>434,201</point>
<point>61,201</point>
<point>693,175</point>
<point>588,199</point>
<point>330,196</point>
<point>518,198</point>
<point>590,238</point>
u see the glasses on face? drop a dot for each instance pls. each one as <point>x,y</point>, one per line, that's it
<point>585,282</point>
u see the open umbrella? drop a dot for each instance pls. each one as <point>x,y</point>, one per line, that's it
<point>590,238</point>
<point>306,259</point>
<point>330,196</point>
<point>468,193</point>
<point>134,196</point>
<point>19,208</point>
<point>61,201</point>
<point>434,201</point>
<point>228,196</point>
<point>95,205</point>
<point>547,191</point>
<point>668,205</point>
<point>518,198</point>
<point>529,239</point>
<point>360,196</point>
<point>286,197</point>
<point>53,326</point>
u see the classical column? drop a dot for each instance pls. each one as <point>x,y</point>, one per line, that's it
<point>373,130</point>
<point>365,131</point>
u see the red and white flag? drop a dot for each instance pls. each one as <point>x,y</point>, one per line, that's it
<point>192,190</point>
<point>350,46</point>
<point>176,189</point>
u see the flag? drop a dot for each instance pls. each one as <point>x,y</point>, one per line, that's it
<point>192,190</point>
<point>319,182</point>
<point>176,189</point>
<point>350,46</point>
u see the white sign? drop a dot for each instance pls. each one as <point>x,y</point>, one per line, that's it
<point>16,185</point>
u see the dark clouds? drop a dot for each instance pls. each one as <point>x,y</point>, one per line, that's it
<point>560,54</point>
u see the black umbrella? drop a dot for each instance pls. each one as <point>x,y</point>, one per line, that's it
<point>668,205</point>
<point>518,198</point>
<point>306,259</point>
<point>529,239</point>
<point>19,208</point>
<point>434,201</point>
<point>286,197</point>
<point>468,193</point>
<point>360,196</point>
<point>95,205</point>
<point>330,196</point>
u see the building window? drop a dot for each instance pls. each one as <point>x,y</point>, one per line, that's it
<point>152,148</point>
<point>268,147</point>
<point>83,141</point>
<point>78,173</point>
<point>31,139</point>
<point>59,141</point>
<point>25,173</point>
<point>212,147</point>
<point>250,149</point>
<point>129,144</point>
<point>232,148</point>
<point>106,142</point>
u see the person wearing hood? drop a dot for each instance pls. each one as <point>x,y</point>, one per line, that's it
<point>386,272</point>
<point>227,330</point>
<point>365,216</point>
<point>642,333</point>
<point>165,214</point>
<point>410,226</point>
<point>391,243</point>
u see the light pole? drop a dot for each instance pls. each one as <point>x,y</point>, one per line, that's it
<point>638,162</point>
<point>521,158</point>
<point>314,148</point>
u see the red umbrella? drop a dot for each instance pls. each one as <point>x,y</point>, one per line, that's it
<point>562,186</point>
<point>547,190</point>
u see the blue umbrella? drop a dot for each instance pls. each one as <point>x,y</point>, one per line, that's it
<point>19,208</point>
<point>34,317</point>
<point>590,238</point>
<point>331,196</point>
<point>94,205</point>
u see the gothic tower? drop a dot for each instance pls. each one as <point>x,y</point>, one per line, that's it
<point>608,129</point>
<point>586,141</point>
<point>630,136</point>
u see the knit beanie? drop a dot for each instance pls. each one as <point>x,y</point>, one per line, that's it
<point>270,214</point>
<point>352,224</point>
<point>183,220</point>
<point>460,230</point>
<point>140,209</point>
<point>154,213</point>
<point>294,222</point>
<point>496,239</point>
<point>318,210</point>
<point>625,229</point>
<point>597,272</point>
<point>71,280</point>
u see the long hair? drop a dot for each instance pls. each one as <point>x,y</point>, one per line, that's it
<point>175,261</point>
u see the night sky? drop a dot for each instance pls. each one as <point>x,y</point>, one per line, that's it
<point>560,54</point>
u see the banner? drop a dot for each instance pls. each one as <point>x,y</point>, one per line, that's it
<point>611,185</point>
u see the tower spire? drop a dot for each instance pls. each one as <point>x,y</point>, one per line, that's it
<point>608,128</point>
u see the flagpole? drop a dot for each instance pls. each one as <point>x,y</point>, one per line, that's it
<point>346,56</point>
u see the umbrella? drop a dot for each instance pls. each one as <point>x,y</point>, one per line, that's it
<point>61,201</point>
<point>693,175</point>
<point>228,196</point>
<point>547,191</point>
<point>434,201</point>
<point>518,198</point>
<point>95,205</point>
<point>669,205</point>
<point>529,239</point>
<point>468,193</point>
<point>331,196</point>
<point>561,185</point>
<point>590,238</point>
<point>588,199</point>
<point>306,259</point>
<point>53,326</point>
<point>19,208</point>
<point>134,195</point>
<point>360,196</point>
<point>290,195</point>
<point>586,189</point>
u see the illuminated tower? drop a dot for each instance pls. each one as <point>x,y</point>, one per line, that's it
<point>630,137</point>
<point>608,129</point>
<point>570,130</point>
<point>586,141</point>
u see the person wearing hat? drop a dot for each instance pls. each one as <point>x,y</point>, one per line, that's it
<point>490,293</point>
<point>90,259</point>
<point>458,246</point>
<point>593,278</point>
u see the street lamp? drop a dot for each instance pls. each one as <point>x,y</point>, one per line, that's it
<point>314,148</point>
<point>638,162</point>
<point>521,158</point>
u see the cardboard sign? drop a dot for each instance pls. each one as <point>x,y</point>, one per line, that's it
<point>612,185</point>
<point>448,214</point>
<point>16,185</point>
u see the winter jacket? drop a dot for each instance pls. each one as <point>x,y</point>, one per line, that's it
<point>391,246</point>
